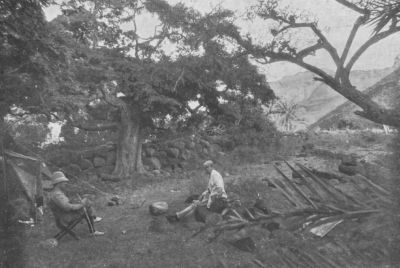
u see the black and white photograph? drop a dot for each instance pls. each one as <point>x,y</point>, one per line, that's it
<point>199,133</point>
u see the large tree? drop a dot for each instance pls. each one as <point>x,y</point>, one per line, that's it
<point>136,77</point>
<point>284,47</point>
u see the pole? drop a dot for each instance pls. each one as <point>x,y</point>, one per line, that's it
<point>298,190</point>
<point>86,215</point>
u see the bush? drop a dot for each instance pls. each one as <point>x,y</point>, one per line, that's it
<point>246,126</point>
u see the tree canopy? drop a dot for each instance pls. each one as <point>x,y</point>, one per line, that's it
<point>136,78</point>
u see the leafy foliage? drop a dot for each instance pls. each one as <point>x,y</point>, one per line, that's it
<point>22,34</point>
<point>384,12</point>
<point>134,70</point>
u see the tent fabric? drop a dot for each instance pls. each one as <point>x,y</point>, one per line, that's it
<point>27,180</point>
<point>14,154</point>
<point>27,171</point>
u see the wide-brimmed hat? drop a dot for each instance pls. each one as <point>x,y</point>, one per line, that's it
<point>208,163</point>
<point>58,177</point>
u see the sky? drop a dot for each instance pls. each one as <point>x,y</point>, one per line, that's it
<point>335,20</point>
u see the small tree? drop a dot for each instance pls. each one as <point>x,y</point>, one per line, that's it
<point>285,113</point>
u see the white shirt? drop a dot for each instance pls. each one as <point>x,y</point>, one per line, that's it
<point>216,185</point>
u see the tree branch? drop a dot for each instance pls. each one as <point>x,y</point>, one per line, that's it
<point>178,80</point>
<point>97,127</point>
<point>331,50</point>
<point>351,37</point>
<point>258,52</point>
<point>374,39</point>
<point>326,44</point>
<point>110,100</point>
<point>353,7</point>
<point>309,50</point>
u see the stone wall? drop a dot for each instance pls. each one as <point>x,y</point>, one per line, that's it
<point>169,156</point>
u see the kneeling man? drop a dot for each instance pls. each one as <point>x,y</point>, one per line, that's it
<point>214,197</point>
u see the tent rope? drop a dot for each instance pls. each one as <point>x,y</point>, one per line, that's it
<point>6,196</point>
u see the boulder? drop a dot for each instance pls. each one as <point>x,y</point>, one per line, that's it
<point>49,243</point>
<point>111,158</point>
<point>99,161</point>
<point>74,169</point>
<point>85,164</point>
<point>213,219</point>
<point>87,154</point>
<point>296,175</point>
<point>190,145</point>
<point>150,152</point>
<point>173,152</point>
<point>185,155</point>
<point>201,213</point>
<point>349,160</point>
<point>307,146</point>
<point>262,205</point>
<point>179,144</point>
<point>105,170</point>
<point>156,172</point>
<point>348,170</point>
<point>245,244</point>
<point>162,154</point>
<point>204,143</point>
<point>153,163</point>
<point>92,178</point>
<point>158,208</point>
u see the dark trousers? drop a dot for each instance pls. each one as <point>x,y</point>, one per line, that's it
<point>218,204</point>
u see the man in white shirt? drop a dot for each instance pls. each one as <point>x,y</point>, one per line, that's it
<point>214,197</point>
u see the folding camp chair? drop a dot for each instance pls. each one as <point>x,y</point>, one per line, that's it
<point>65,229</point>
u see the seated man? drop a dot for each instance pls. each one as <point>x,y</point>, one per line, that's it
<point>64,210</point>
<point>214,198</point>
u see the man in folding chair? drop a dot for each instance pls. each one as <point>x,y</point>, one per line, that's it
<point>67,214</point>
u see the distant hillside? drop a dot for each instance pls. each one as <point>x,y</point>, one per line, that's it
<point>297,87</point>
<point>316,99</point>
<point>386,92</point>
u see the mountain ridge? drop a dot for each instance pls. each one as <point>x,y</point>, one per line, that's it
<point>316,99</point>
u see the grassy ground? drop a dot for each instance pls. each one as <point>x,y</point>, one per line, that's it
<point>134,238</point>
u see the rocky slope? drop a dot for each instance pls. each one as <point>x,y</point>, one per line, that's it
<point>315,99</point>
<point>386,92</point>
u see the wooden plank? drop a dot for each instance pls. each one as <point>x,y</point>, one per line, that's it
<point>318,263</point>
<point>306,183</point>
<point>289,191</point>
<point>327,260</point>
<point>374,185</point>
<point>327,188</point>
<point>298,190</point>
<point>288,197</point>
<point>349,197</point>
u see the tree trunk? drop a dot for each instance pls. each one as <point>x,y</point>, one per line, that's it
<point>129,144</point>
<point>371,109</point>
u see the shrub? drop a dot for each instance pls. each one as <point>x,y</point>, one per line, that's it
<point>247,125</point>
